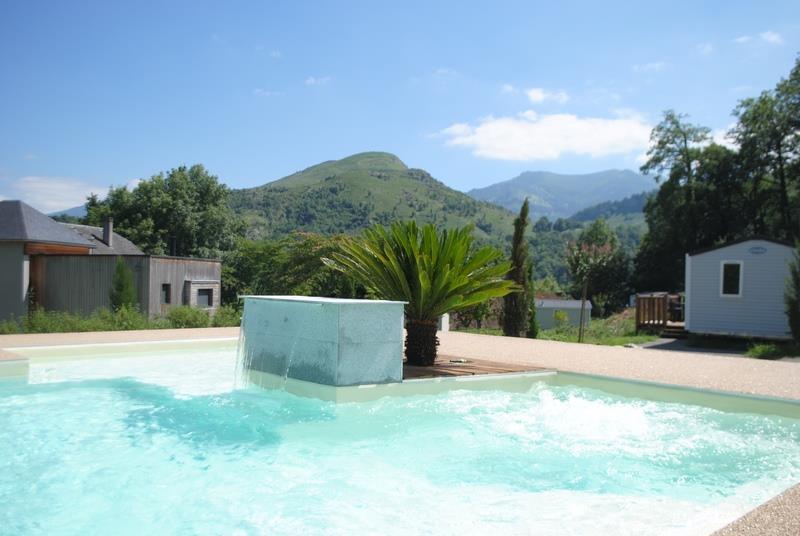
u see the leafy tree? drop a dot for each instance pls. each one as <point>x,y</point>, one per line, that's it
<point>792,296</point>
<point>435,272</point>
<point>532,331</point>
<point>516,305</point>
<point>587,262</point>
<point>123,291</point>
<point>184,212</point>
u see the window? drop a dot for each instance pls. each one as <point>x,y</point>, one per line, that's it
<point>166,293</point>
<point>205,297</point>
<point>731,279</point>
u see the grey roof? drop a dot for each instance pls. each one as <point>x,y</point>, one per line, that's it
<point>562,304</point>
<point>20,222</point>
<point>120,244</point>
<point>739,241</point>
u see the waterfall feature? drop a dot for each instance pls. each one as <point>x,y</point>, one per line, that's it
<point>324,341</point>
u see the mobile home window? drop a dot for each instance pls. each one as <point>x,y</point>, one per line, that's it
<point>166,293</point>
<point>205,297</point>
<point>731,279</point>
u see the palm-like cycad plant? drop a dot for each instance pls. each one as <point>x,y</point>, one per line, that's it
<point>433,272</point>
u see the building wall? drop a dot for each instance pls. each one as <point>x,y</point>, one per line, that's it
<point>545,316</point>
<point>759,311</point>
<point>82,283</point>
<point>185,277</point>
<point>13,281</point>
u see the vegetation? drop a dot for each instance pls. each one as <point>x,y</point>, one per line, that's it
<point>792,296</point>
<point>435,272</point>
<point>771,350</point>
<point>121,319</point>
<point>288,266</point>
<point>711,194</point>
<point>631,205</point>
<point>184,212</point>
<point>349,195</point>
<point>123,292</point>
<point>616,330</point>
<point>516,305</point>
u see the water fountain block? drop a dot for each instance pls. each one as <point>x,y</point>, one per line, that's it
<point>325,340</point>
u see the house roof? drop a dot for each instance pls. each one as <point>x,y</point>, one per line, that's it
<point>562,304</point>
<point>120,244</point>
<point>739,241</point>
<point>20,222</point>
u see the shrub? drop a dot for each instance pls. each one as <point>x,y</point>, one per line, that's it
<point>187,317</point>
<point>226,316</point>
<point>10,327</point>
<point>123,292</point>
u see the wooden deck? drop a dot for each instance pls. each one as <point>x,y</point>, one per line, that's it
<point>453,366</point>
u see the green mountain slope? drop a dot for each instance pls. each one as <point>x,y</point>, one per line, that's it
<point>350,194</point>
<point>630,206</point>
<point>559,196</point>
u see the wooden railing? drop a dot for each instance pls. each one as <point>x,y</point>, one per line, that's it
<point>652,311</point>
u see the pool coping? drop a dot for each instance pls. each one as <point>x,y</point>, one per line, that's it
<point>715,373</point>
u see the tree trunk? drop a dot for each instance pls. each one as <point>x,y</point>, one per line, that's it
<point>583,308</point>
<point>421,342</point>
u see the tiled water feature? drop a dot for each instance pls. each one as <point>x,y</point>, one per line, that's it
<point>328,341</point>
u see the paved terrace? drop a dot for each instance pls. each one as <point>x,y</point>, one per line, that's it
<point>779,516</point>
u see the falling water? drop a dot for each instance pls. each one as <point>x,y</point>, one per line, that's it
<point>243,356</point>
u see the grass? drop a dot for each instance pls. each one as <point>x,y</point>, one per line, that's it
<point>123,319</point>
<point>616,330</point>
<point>772,350</point>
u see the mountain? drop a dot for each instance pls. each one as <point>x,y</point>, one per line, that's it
<point>75,212</point>
<point>631,205</point>
<point>347,195</point>
<point>559,196</point>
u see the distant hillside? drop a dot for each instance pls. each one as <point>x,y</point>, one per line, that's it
<point>74,212</point>
<point>352,193</point>
<point>630,205</point>
<point>559,196</point>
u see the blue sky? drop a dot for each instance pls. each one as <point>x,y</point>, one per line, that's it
<point>101,93</point>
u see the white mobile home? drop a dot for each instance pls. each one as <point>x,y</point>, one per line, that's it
<point>548,311</point>
<point>738,288</point>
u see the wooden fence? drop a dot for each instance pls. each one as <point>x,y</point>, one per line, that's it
<point>652,311</point>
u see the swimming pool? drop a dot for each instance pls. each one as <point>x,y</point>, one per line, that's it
<point>156,440</point>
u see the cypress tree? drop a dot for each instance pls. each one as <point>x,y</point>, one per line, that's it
<point>516,307</point>
<point>123,292</point>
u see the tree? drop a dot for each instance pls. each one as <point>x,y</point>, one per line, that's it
<point>586,262</point>
<point>434,272</point>
<point>516,306</point>
<point>792,296</point>
<point>123,291</point>
<point>184,212</point>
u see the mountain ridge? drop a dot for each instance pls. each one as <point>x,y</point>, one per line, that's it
<point>558,195</point>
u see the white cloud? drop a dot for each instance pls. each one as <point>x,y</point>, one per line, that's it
<point>50,194</point>
<point>317,80</point>
<point>769,37</point>
<point>705,49</point>
<point>720,137</point>
<point>445,71</point>
<point>529,136</point>
<point>773,38</point>
<point>538,95</point>
<point>133,183</point>
<point>260,92</point>
<point>652,67</point>
<point>275,54</point>
<point>508,88</point>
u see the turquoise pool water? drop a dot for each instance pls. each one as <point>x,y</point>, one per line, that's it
<point>161,443</point>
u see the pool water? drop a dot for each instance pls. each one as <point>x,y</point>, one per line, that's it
<point>162,443</point>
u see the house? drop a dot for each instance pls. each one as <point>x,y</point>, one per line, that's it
<point>68,267</point>
<point>737,289</point>
<point>548,312</point>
